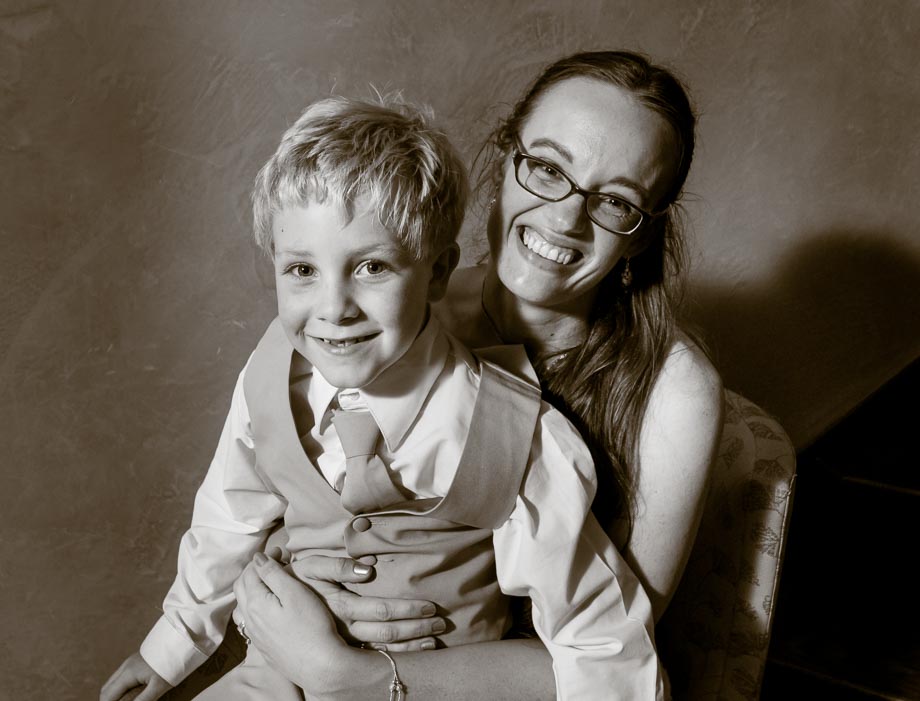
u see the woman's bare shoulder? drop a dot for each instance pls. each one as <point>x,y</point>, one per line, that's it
<point>688,377</point>
<point>684,415</point>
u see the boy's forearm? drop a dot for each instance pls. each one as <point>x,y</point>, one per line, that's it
<point>170,654</point>
<point>213,552</point>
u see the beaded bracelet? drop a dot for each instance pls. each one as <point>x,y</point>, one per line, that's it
<point>397,688</point>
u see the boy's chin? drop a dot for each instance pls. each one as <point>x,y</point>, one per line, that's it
<point>347,378</point>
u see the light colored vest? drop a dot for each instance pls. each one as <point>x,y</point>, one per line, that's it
<point>434,549</point>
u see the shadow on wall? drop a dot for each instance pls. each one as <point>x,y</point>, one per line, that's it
<point>840,318</point>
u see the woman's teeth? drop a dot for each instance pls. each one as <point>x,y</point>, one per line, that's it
<point>545,249</point>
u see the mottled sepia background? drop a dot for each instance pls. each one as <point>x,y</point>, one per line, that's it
<point>130,133</point>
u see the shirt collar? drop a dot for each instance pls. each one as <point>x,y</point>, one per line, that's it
<point>396,397</point>
<point>320,395</point>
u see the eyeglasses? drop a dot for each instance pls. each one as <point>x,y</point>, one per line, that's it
<point>549,182</point>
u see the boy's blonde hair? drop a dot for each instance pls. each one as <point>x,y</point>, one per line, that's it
<point>343,149</point>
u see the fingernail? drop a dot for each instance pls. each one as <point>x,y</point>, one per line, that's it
<point>260,559</point>
<point>429,610</point>
<point>361,570</point>
<point>439,627</point>
<point>428,645</point>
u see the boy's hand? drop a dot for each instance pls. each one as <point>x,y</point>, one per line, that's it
<point>134,672</point>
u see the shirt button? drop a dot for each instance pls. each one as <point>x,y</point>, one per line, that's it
<point>361,524</point>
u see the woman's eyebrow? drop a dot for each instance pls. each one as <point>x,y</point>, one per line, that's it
<point>567,155</point>
<point>555,146</point>
<point>632,185</point>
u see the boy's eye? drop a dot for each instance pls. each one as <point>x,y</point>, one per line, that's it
<point>370,268</point>
<point>301,270</point>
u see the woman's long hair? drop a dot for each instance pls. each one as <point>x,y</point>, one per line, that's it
<point>603,386</point>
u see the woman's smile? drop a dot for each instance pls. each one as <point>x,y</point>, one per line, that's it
<point>553,252</point>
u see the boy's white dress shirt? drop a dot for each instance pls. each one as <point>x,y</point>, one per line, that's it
<point>589,609</point>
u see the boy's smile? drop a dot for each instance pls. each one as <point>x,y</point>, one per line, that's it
<point>350,298</point>
<point>341,345</point>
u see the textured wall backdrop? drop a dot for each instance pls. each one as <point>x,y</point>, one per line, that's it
<point>130,133</point>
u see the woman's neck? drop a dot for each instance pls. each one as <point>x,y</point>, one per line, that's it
<point>542,330</point>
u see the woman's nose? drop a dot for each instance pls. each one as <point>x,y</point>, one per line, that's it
<point>568,215</point>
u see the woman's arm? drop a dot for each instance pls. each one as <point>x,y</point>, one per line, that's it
<point>295,632</point>
<point>677,449</point>
<point>511,670</point>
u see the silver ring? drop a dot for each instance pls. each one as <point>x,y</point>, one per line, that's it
<point>241,627</point>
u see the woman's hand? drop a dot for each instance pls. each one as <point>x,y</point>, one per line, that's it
<point>288,623</point>
<point>291,626</point>
<point>396,625</point>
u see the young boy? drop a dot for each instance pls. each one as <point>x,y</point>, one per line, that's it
<point>359,209</point>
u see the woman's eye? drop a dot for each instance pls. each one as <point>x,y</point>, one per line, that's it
<point>371,267</point>
<point>547,172</point>
<point>614,207</point>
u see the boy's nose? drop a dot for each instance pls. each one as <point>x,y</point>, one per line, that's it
<point>336,303</point>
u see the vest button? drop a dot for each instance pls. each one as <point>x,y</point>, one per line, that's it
<point>361,524</point>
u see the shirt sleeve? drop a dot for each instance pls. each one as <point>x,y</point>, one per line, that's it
<point>588,607</point>
<point>233,513</point>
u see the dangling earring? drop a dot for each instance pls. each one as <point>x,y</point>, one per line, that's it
<point>492,203</point>
<point>626,276</point>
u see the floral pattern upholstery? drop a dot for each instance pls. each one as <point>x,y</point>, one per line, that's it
<point>715,633</point>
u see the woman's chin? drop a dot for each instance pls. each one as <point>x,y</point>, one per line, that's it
<point>533,284</point>
<point>551,287</point>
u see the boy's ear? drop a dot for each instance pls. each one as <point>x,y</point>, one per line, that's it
<point>441,268</point>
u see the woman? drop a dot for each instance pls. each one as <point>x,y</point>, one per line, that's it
<point>584,175</point>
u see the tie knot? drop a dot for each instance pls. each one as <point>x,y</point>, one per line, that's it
<point>357,431</point>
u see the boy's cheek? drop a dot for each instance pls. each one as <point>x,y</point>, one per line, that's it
<point>282,307</point>
<point>291,322</point>
<point>286,295</point>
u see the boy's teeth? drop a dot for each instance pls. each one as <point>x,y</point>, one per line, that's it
<point>545,249</point>
<point>341,344</point>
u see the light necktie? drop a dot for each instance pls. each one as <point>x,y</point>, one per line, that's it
<point>368,486</point>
